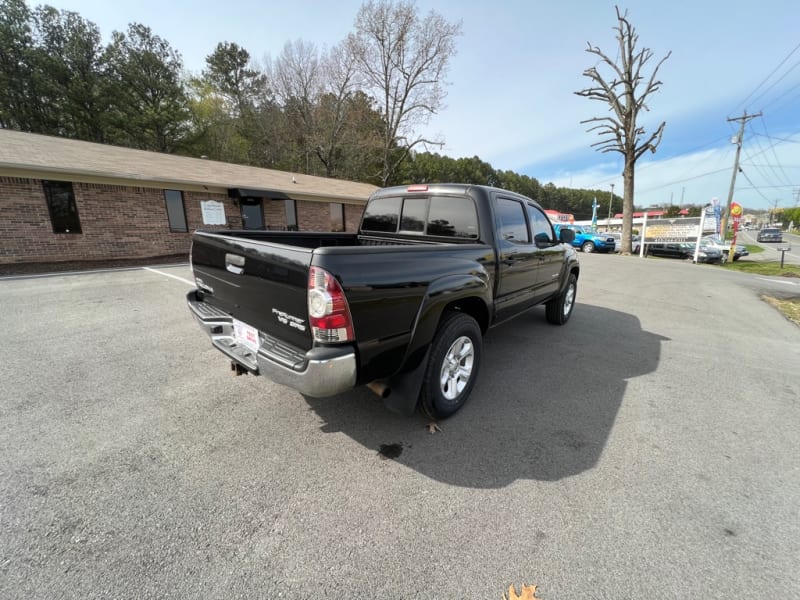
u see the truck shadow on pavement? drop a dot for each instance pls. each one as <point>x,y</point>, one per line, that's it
<point>543,406</point>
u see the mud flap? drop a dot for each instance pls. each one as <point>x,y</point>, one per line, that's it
<point>405,389</point>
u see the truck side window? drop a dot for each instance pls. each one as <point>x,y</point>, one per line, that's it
<point>513,226</point>
<point>453,217</point>
<point>540,224</point>
<point>382,214</point>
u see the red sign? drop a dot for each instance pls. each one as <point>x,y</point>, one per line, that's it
<point>736,213</point>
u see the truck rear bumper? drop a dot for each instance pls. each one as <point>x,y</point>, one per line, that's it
<point>319,372</point>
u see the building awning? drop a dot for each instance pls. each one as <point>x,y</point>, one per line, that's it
<point>257,193</point>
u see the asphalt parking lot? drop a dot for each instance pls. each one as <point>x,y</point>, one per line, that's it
<point>648,449</point>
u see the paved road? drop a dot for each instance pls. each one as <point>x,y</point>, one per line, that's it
<point>648,449</point>
<point>771,252</point>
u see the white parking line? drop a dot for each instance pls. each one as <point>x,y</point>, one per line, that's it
<point>152,270</point>
<point>778,281</point>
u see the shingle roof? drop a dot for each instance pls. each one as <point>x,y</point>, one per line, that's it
<point>27,154</point>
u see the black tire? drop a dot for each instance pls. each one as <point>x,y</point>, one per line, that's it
<point>588,247</point>
<point>453,364</point>
<point>559,309</point>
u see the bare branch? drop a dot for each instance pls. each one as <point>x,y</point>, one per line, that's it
<point>623,85</point>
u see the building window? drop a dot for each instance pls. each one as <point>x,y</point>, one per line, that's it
<point>61,204</point>
<point>337,216</point>
<point>175,210</point>
<point>291,215</point>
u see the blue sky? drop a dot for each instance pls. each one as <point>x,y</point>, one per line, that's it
<point>510,95</point>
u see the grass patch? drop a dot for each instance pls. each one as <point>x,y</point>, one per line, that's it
<point>753,249</point>
<point>771,269</point>
<point>790,307</point>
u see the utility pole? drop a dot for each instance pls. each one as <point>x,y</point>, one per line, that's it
<point>723,228</point>
<point>610,200</point>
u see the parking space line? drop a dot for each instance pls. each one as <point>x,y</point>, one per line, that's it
<point>777,281</point>
<point>152,270</point>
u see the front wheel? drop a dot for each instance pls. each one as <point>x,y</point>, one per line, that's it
<point>559,309</point>
<point>588,247</point>
<point>455,357</point>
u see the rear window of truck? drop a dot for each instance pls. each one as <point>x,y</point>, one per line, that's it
<point>441,216</point>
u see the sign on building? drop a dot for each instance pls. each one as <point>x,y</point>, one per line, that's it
<point>213,212</point>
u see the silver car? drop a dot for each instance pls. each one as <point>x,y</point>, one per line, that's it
<point>770,234</point>
<point>724,247</point>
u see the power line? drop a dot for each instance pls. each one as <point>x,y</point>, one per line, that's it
<point>780,176</point>
<point>781,78</point>
<point>758,189</point>
<point>775,70</point>
<point>774,100</point>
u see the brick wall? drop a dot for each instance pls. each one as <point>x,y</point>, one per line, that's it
<point>121,222</point>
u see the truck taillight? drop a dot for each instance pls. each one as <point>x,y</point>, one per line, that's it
<point>328,312</point>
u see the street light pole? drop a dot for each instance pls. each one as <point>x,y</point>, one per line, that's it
<point>610,200</point>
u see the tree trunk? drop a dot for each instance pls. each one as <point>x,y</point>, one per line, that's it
<point>627,206</point>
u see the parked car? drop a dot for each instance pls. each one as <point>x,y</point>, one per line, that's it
<point>685,250</point>
<point>586,239</point>
<point>770,234</point>
<point>711,242</point>
<point>617,239</point>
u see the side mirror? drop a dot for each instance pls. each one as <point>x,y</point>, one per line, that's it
<point>566,236</point>
<point>542,240</point>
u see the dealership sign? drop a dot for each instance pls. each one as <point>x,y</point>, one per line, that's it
<point>668,231</point>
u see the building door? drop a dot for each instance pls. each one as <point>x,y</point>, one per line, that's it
<point>252,213</point>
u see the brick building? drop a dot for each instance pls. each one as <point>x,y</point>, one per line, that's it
<point>68,200</point>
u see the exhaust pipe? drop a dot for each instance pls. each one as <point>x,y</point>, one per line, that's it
<point>380,388</point>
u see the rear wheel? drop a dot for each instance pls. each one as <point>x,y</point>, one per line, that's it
<point>452,367</point>
<point>559,309</point>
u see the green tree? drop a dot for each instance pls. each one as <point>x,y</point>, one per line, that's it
<point>229,71</point>
<point>69,75</point>
<point>214,132</point>
<point>17,102</point>
<point>248,103</point>
<point>148,100</point>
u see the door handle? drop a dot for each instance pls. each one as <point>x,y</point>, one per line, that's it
<point>234,264</point>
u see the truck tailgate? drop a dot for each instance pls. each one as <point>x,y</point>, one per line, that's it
<point>262,284</point>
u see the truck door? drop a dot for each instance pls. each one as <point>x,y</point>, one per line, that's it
<point>518,259</point>
<point>549,252</point>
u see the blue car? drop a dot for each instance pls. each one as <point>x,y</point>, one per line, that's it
<point>588,240</point>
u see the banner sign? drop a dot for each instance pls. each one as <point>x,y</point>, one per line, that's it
<point>666,231</point>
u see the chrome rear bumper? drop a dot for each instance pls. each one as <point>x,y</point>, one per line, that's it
<point>319,372</point>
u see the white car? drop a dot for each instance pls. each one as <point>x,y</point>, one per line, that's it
<point>724,247</point>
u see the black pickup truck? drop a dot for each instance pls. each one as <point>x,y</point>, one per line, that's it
<point>400,306</point>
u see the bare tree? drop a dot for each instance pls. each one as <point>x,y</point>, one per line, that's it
<point>623,93</point>
<point>297,80</point>
<point>402,60</point>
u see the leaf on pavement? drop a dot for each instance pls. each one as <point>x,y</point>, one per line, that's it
<point>527,592</point>
<point>433,427</point>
